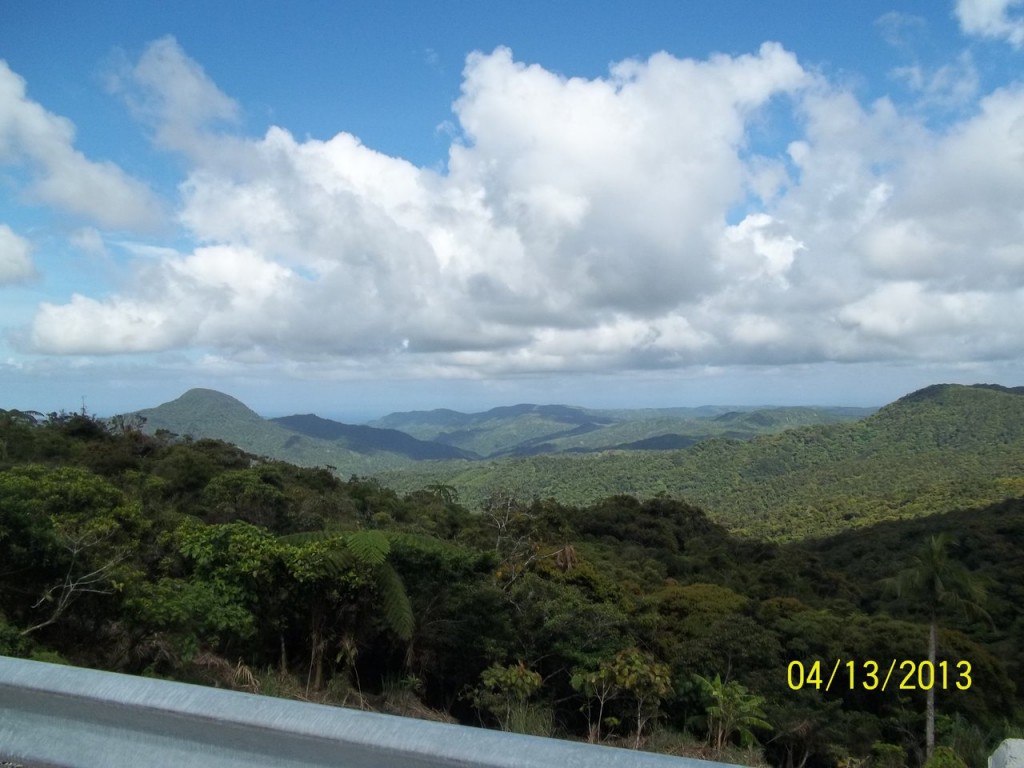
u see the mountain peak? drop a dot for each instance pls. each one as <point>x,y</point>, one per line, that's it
<point>937,392</point>
<point>931,392</point>
<point>210,400</point>
<point>197,411</point>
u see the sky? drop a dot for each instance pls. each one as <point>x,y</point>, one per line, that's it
<point>353,208</point>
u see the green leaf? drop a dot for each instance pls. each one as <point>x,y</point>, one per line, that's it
<point>369,547</point>
<point>395,605</point>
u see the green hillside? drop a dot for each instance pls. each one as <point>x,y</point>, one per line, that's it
<point>363,439</point>
<point>195,561</point>
<point>533,429</point>
<point>939,448</point>
<point>499,430</point>
<point>309,440</point>
<point>206,413</point>
<point>739,425</point>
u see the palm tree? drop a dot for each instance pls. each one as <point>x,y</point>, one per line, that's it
<point>937,582</point>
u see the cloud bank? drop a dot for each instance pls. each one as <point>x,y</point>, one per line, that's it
<point>633,221</point>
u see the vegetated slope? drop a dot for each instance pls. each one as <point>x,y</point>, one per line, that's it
<point>310,440</point>
<point>363,439</point>
<point>936,449</point>
<point>212,548</point>
<point>206,413</point>
<point>533,429</point>
<point>987,540</point>
<point>678,432</point>
<point>200,412</point>
<point>499,430</point>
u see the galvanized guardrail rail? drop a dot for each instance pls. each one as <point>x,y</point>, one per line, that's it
<point>1010,754</point>
<point>82,718</point>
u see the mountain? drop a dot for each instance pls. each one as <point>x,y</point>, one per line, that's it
<point>528,430</point>
<point>403,439</point>
<point>936,449</point>
<point>363,439</point>
<point>304,440</point>
<point>671,431</point>
<point>203,413</point>
<point>506,429</point>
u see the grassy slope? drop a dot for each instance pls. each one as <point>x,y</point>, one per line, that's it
<point>937,449</point>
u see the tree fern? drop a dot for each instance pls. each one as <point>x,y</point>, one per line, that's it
<point>369,547</point>
<point>367,552</point>
<point>396,610</point>
<point>341,552</point>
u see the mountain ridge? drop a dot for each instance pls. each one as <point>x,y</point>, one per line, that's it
<point>523,429</point>
<point>760,471</point>
<point>528,429</point>
<point>361,438</point>
<point>937,448</point>
<point>208,413</point>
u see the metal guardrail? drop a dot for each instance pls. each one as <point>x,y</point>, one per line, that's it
<point>82,718</point>
<point>1009,754</point>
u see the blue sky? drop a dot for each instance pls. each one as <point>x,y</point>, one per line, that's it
<point>354,208</point>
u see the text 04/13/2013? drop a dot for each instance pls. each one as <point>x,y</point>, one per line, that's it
<point>870,675</point>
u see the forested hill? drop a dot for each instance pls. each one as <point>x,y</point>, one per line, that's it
<point>527,429</point>
<point>402,439</point>
<point>625,622</point>
<point>306,440</point>
<point>939,448</point>
<point>364,439</point>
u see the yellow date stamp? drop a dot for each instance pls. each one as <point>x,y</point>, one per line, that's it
<point>870,675</point>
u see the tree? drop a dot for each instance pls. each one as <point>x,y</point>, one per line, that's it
<point>17,433</point>
<point>515,534</point>
<point>600,684</point>
<point>253,495</point>
<point>65,533</point>
<point>647,679</point>
<point>340,574</point>
<point>448,494</point>
<point>807,728</point>
<point>505,692</point>
<point>935,581</point>
<point>733,710</point>
<point>221,589</point>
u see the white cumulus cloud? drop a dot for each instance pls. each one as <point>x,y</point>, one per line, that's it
<point>629,221</point>
<point>15,257</point>
<point>63,176</point>
<point>171,93</point>
<point>1000,19</point>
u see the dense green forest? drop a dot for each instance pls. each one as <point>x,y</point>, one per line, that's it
<point>522,430</point>
<point>637,623</point>
<point>936,449</point>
